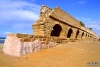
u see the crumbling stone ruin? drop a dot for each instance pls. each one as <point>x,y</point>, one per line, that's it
<point>53,26</point>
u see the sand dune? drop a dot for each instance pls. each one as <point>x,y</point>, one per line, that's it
<point>72,54</point>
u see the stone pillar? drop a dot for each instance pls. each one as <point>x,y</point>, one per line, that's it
<point>87,37</point>
<point>62,34</point>
<point>91,37</point>
<point>73,35</point>
<point>64,31</point>
<point>80,34</point>
<point>39,29</point>
<point>84,37</point>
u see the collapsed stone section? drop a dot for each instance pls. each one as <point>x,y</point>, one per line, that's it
<point>19,44</point>
<point>13,46</point>
<point>22,44</point>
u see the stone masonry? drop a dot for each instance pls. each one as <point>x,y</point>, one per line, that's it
<point>53,26</point>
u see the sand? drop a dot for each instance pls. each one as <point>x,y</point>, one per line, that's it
<point>72,54</point>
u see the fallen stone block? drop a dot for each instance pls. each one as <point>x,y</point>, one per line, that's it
<point>13,46</point>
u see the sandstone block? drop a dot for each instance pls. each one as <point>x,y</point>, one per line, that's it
<point>13,46</point>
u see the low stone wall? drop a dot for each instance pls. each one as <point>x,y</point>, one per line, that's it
<point>15,47</point>
<point>22,44</point>
<point>43,39</point>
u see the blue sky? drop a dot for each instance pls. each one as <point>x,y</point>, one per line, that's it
<point>17,16</point>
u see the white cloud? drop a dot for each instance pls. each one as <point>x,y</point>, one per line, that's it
<point>22,26</point>
<point>80,2</point>
<point>18,16</point>
<point>95,26</point>
<point>18,10</point>
<point>7,33</point>
<point>86,21</point>
<point>98,28</point>
<point>12,32</point>
<point>91,23</point>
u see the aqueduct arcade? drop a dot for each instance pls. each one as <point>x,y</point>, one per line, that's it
<point>53,26</point>
<point>56,22</point>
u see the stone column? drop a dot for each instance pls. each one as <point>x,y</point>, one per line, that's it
<point>38,29</point>
<point>84,36</point>
<point>80,34</point>
<point>62,34</point>
<point>64,31</point>
<point>73,35</point>
<point>87,36</point>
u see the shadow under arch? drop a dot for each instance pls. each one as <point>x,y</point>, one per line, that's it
<point>77,33</point>
<point>86,34</point>
<point>70,31</point>
<point>56,30</point>
<point>82,35</point>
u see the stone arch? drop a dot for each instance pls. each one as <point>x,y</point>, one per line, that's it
<point>82,35</point>
<point>89,35</point>
<point>70,31</point>
<point>77,33</point>
<point>56,30</point>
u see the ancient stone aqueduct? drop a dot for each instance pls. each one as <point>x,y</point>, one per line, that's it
<point>53,26</point>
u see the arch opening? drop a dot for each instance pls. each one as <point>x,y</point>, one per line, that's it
<point>82,35</point>
<point>86,34</point>
<point>56,30</point>
<point>70,31</point>
<point>77,33</point>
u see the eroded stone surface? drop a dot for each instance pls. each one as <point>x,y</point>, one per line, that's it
<point>49,18</point>
<point>13,46</point>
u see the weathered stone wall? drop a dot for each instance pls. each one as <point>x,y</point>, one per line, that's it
<point>51,17</point>
<point>13,46</point>
<point>59,14</point>
<point>19,44</point>
<point>43,39</point>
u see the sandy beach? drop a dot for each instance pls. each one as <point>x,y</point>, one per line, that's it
<point>72,54</point>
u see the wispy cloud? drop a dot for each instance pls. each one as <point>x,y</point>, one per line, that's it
<point>97,27</point>
<point>91,23</point>
<point>17,10</point>
<point>17,15</point>
<point>22,26</point>
<point>11,33</point>
<point>6,32</point>
<point>80,2</point>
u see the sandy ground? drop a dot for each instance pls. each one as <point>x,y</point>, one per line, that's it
<point>72,54</point>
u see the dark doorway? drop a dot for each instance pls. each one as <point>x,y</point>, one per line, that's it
<point>86,34</point>
<point>69,33</point>
<point>77,33</point>
<point>82,35</point>
<point>56,30</point>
